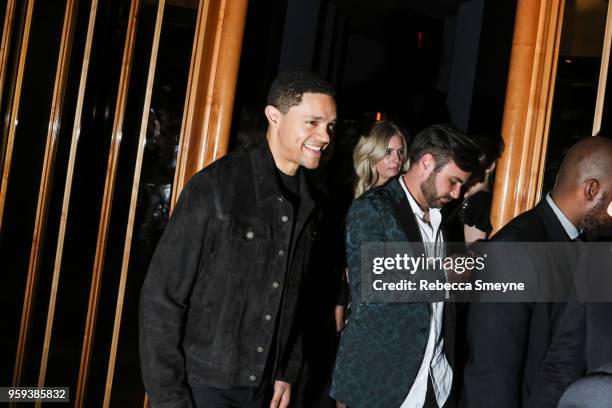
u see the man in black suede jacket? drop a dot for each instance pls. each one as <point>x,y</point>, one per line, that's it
<point>218,310</point>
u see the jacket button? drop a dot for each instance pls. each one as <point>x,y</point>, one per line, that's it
<point>252,377</point>
<point>250,235</point>
<point>281,252</point>
<point>268,317</point>
<point>275,285</point>
<point>260,349</point>
<point>281,199</point>
<point>284,218</point>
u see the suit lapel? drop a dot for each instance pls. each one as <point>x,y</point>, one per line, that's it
<point>403,213</point>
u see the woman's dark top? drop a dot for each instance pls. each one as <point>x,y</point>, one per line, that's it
<point>475,210</point>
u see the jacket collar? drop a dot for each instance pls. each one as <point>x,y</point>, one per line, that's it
<point>266,186</point>
<point>552,225</point>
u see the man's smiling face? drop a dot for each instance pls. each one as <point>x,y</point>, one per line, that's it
<point>304,132</point>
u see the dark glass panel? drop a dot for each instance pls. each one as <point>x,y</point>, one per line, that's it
<point>87,190</point>
<point>159,164</point>
<point>120,207</point>
<point>58,181</point>
<point>27,157</point>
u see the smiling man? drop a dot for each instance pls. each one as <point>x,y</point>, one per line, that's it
<point>400,354</point>
<point>218,306</point>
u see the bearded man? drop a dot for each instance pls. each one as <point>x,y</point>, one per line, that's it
<point>509,341</point>
<point>401,354</point>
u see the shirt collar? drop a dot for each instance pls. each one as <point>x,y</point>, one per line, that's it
<point>567,225</point>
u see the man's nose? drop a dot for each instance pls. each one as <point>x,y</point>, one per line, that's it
<point>325,135</point>
<point>456,191</point>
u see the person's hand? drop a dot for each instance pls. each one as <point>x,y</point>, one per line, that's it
<point>453,277</point>
<point>282,394</point>
<point>339,317</point>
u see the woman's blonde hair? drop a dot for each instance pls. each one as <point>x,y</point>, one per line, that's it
<point>371,149</point>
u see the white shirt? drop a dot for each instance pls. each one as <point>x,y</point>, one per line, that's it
<point>569,228</point>
<point>434,362</point>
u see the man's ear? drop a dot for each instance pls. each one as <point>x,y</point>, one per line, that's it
<point>273,114</point>
<point>427,162</point>
<point>591,189</point>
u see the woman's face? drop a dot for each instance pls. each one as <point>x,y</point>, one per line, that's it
<point>391,164</point>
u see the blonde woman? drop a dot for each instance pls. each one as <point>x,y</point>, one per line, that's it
<point>379,156</point>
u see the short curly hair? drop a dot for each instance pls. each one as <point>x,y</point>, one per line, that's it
<point>289,86</point>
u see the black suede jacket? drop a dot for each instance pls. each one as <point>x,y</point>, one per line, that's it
<point>213,292</point>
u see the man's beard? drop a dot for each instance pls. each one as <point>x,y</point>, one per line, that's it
<point>598,221</point>
<point>430,192</point>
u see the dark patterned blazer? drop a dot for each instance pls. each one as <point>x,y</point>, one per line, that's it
<point>382,346</point>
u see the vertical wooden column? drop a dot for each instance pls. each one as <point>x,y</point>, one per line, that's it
<point>603,73</point>
<point>211,87</point>
<point>531,78</point>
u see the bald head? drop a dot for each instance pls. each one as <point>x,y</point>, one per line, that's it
<point>584,185</point>
<point>589,159</point>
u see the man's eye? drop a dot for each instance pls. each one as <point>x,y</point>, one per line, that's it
<point>313,123</point>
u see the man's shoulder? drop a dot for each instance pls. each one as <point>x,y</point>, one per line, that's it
<point>525,227</point>
<point>227,167</point>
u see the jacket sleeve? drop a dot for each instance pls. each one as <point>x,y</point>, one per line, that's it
<point>291,363</point>
<point>565,361</point>
<point>165,295</point>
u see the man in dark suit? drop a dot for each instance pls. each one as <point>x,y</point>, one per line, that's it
<point>400,354</point>
<point>509,341</point>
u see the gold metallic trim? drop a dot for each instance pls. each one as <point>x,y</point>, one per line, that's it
<point>107,202</point>
<point>541,150</point>
<point>5,45</point>
<point>603,74</point>
<point>76,130</point>
<point>57,102</point>
<point>189,111</point>
<point>14,109</point>
<point>135,187</point>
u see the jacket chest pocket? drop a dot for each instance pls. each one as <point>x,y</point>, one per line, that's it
<point>250,232</point>
<point>252,242</point>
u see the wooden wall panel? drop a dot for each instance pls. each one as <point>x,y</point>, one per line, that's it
<point>212,85</point>
<point>527,108</point>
